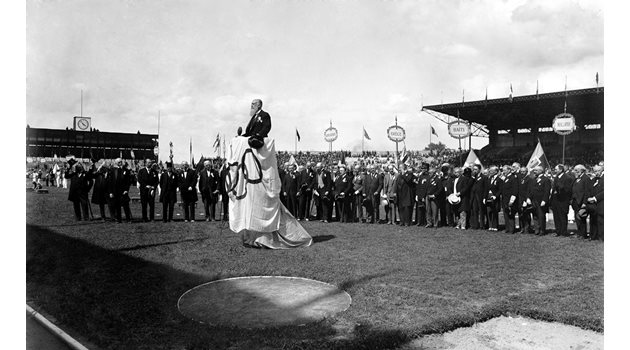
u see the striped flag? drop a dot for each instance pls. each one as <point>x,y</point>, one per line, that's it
<point>404,156</point>
<point>365,134</point>
<point>217,142</point>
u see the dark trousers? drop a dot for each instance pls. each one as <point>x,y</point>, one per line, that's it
<point>493,215</point>
<point>342,205</point>
<point>225,201</point>
<point>189,210</point>
<point>560,217</point>
<point>210,207</point>
<point>540,218</point>
<point>292,204</point>
<point>421,212</point>
<point>442,206</point>
<point>167,210</point>
<point>304,204</point>
<point>433,212</point>
<point>450,214</point>
<point>150,201</point>
<point>101,207</point>
<point>524,220</point>
<point>81,206</point>
<point>115,205</point>
<point>600,226</point>
<point>405,215</point>
<point>477,214</point>
<point>510,222</point>
<point>324,208</point>
<point>375,214</point>
<point>357,213</point>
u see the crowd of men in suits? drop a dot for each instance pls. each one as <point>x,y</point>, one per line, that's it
<point>111,185</point>
<point>464,198</point>
<point>440,196</point>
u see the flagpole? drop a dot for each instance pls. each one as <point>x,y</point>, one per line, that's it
<point>295,140</point>
<point>363,142</point>
<point>396,120</point>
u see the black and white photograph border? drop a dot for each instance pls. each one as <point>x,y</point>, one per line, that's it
<point>285,121</point>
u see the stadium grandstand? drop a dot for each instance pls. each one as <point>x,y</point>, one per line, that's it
<point>50,144</point>
<point>514,125</point>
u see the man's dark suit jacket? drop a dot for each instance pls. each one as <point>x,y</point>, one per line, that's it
<point>259,125</point>
<point>147,178</point>
<point>208,184</point>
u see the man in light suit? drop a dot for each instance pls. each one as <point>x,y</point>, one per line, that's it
<point>389,192</point>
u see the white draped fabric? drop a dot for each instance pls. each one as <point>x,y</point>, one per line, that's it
<point>255,209</point>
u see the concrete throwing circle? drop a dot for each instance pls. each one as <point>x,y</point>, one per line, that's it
<point>262,301</point>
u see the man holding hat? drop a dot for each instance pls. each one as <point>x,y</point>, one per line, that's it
<point>561,198</point>
<point>323,193</point>
<point>188,191</point>
<point>597,199</point>
<point>80,185</point>
<point>579,195</point>
<point>342,189</point>
<point>422,182</point>
<point>118,182</point>
<point>538,196</point>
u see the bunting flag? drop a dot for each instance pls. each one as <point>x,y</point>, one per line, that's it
<point>511,93</point>
<point>472,159</point>
<point>297,134</point>
<point>538,158</point>
<point>217,142</point>
<point>433,131</point>
<point>292,160</point>
<point>365,134</point>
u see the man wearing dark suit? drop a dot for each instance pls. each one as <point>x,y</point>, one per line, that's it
<point>435,194</point>
<point>100,194</point>
<point>524,209</point>
<point>463,186</point>
<point>282,171</point>
<point>225,199</point>
<point>597,198</point>
<point>259,124</point>
<point>446,211</point>
<point>119,180</point>
<point>323,193</point>
<point>168,192</point>
<point>305,186</point>
<point>579,194</point>
<point>509,193</point>
<point>538,196</point>
<point>289,188</point>
<point>343,186</point>
<point>209,188</point>
<point>493,198</point>
<point>374,191</point>
<point>422,183</point>
<point>80,185</point>
<point>561,198</point>
<point>148,181</point>
<point>478,199</point>
<point>188,191</point>
<point>404,194</point>
<point>370,182</point>
<point>358,193</point>
<point>389,191</point>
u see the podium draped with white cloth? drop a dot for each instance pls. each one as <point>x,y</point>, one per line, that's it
<point>255,209</point>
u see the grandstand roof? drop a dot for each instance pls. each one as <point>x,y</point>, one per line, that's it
<point>586,105</point>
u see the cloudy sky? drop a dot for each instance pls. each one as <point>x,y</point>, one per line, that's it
<point>357,63</point>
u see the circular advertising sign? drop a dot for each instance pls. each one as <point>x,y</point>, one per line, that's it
<point>396,133</point>
<point>458,130</point>
<point>331,134</point>
<point>563,124</point>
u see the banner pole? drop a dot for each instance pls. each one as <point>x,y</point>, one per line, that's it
<point>563,140</point>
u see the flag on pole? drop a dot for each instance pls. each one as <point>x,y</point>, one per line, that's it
<point>404,156</point>
<point>297,133</point>
<point>486,100</point>
<point>121,154</point>
<point>538,158</point>
<point>133,156</point>
<point>433,131</point>
<point>536,89</point>
<point>292,160</point>
<point>472,159</point>
<point>511,93</point>
<point>217,142</point>
<point>365,134</point>
<point>462,96</point>
<point>597,81</point>
<point>190,152</point>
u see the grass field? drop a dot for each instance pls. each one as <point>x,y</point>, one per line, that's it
<point>117,285</point>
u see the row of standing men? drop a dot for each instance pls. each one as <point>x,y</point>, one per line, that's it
<point>464,198</point>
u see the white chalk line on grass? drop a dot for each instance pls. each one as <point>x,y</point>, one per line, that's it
<point>65,337</point>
